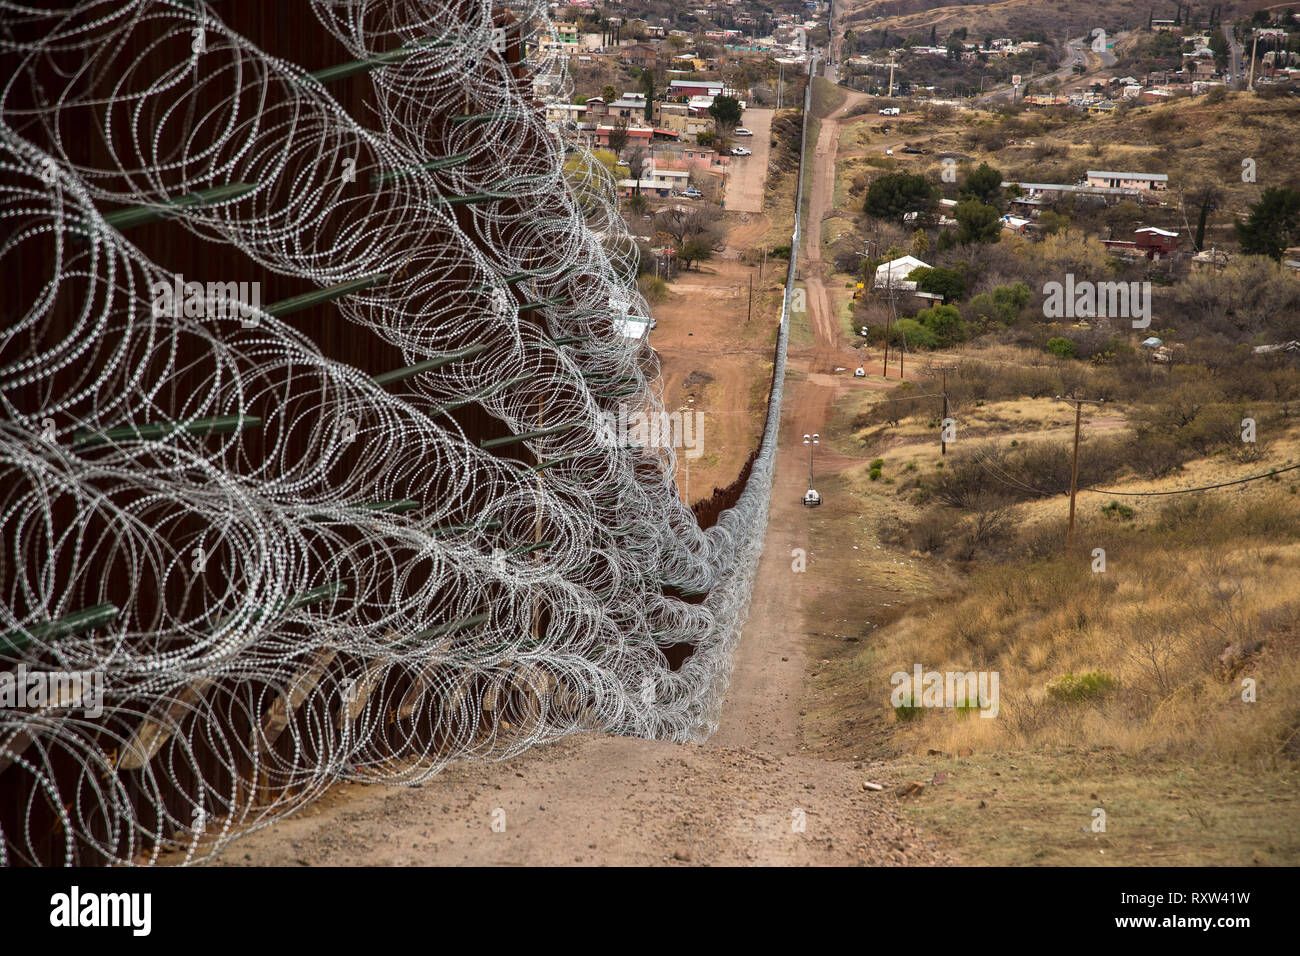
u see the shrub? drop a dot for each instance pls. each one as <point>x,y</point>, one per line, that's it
<point>907,710</point>
<point>944,323</point>
<point>1061,347</point>
<point>913,333</point>
<point>654,288</point>
<point>1117,510</point>
<point>1091,686</point>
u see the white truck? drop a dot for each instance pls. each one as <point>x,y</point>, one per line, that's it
<point>889,111</point>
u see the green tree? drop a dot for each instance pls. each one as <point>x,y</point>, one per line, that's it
<point>725,110</point>
<point>648,88</point>
<point>944,323</point>
<point>913,334</point>
<point>1273,224</point>
<point>1219,47</point>
<point>984,184</point>
<point>939,281</point>
<point>894,195</point>
<point>977,222</point>
<point>1061,347</point>
<point>696,249</point>
<point>1000,307</point>
<point>609,94</point>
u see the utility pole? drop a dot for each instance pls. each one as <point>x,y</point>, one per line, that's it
<point>889,290</point>
<point>750,314</point>
<point>942,371</point>
<point>1078,404</point>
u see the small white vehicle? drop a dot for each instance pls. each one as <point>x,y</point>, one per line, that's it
<point>889,111</point>
<point>741,151</point>
<point>741,131</point>
<point>859,372</point>
<point>811,498</point>
<point>692,193</point>
<point>889,152</point>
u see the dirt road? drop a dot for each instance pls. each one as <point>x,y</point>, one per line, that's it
<point>747,174</point>
<point>751,795</point>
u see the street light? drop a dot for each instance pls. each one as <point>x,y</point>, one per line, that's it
<point>811,499</point>
<point>812,441</point>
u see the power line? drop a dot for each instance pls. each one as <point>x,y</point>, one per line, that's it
<point>1185,491</point>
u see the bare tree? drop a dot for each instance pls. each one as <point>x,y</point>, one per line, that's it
<point>684,223</point>
<point>636,162</point>
<point>618,137</point>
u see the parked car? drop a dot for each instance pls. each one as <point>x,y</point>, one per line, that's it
<point>692,193</point>
<point>811,499</point>
<point>741,151</point>
<point>741,131</point>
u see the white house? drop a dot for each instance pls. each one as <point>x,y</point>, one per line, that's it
<point>1144,181</point>
<point>893,274</point>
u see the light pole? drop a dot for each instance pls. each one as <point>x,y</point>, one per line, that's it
<point>811,441</point>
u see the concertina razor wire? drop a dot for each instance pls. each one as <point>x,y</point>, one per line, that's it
<point>283,571</point>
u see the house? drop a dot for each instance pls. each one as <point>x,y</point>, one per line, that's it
<point>636,136</point>
<point>700,159</point>
<point>1149,182</point>
<point>1155,243</point>
<point>656,182</point>
<point>689,88</point>
<point>627,106</point>
<point>893,274</point>
<point>1015,224</point>
<point>644,56</point>
<point>562,114</point>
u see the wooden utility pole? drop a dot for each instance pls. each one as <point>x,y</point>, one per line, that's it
<point>884,364</point>
<point>750,314</point>
<point>942,371</point>
<point>1078,404</point>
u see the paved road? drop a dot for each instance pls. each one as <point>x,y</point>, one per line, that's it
<point>1235,64</point>
<point>1073,54</point>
